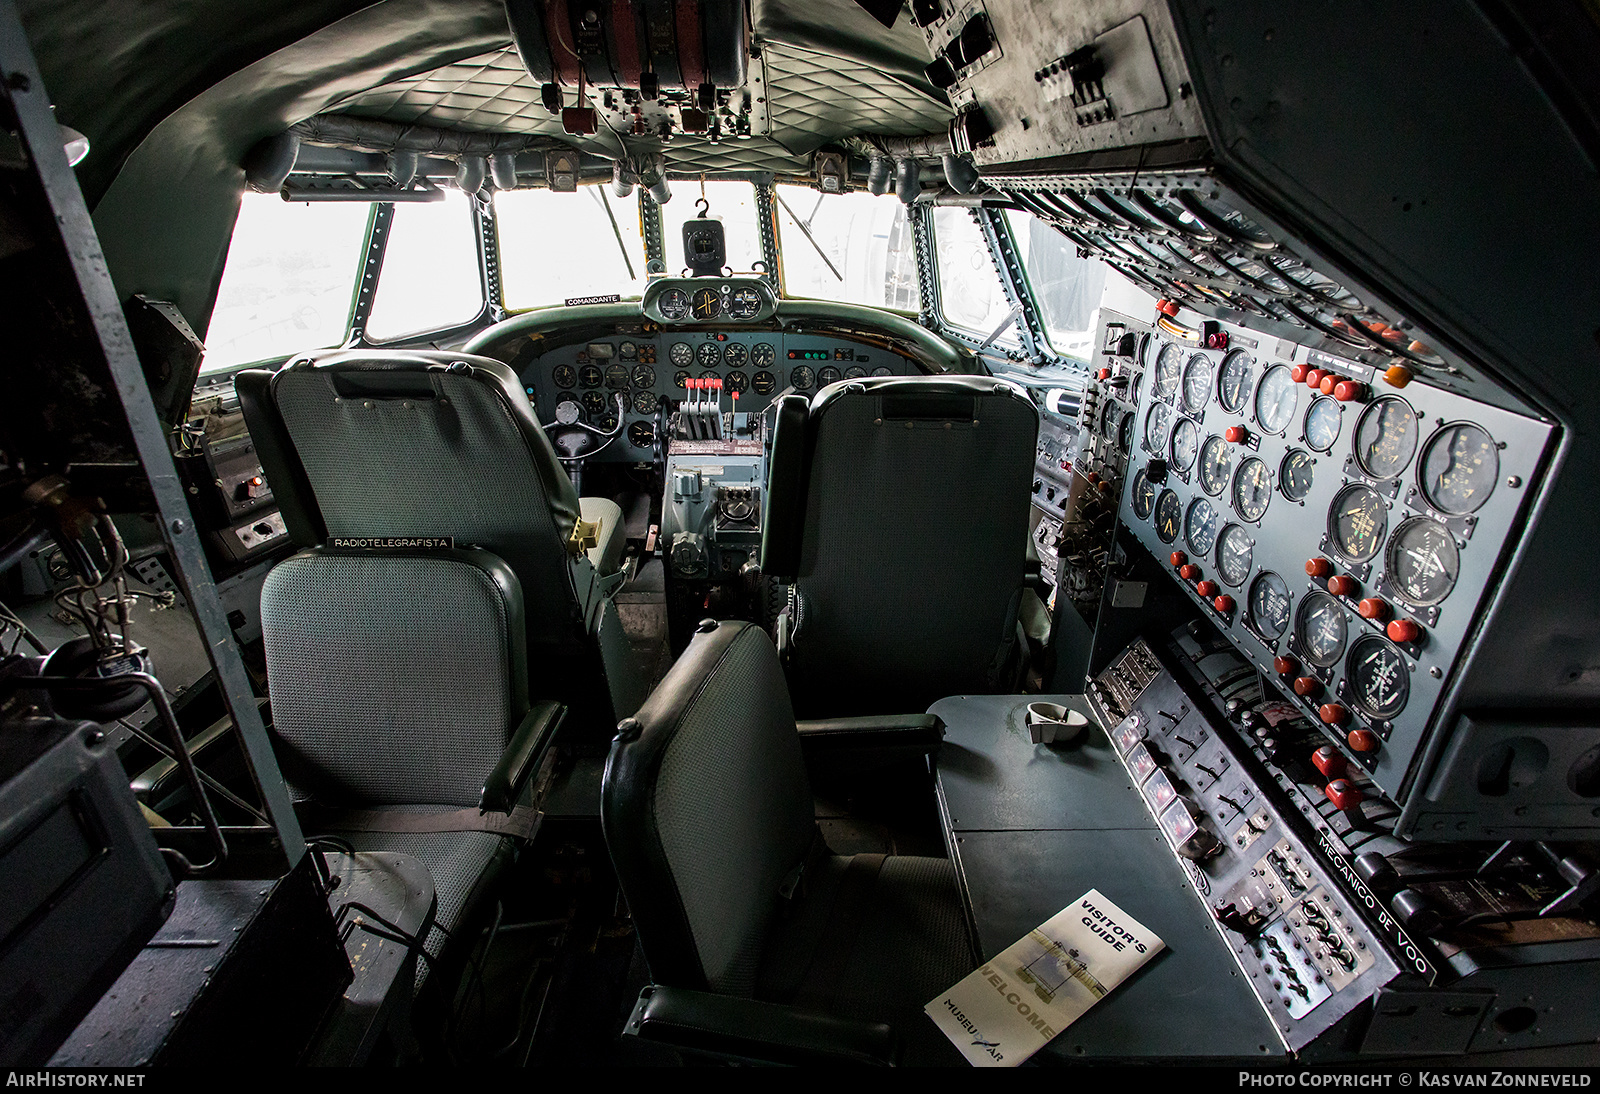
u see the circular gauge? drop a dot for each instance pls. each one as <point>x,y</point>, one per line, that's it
<point>801,377</point>
<point>617,378</point>
<point>568,412</point>
<point>680,378</point>
<point>1275,399</point>
<point>607,423</point>
<point>644,376</point>
<point>642,434</point>
<point>883,370</point>
<point>762,354</point>
<point>734,355</point>
<point>1235,554</point>
<point>1169,516</point>
<point>1296,474</point>
<point>628,350</point>
<point>764,383</point>
<point>1200,527</point>
<point>595,403</point>
<point>744,304</point>
<point>1216,465</point>
<point>1357,522</point>
<point>1423,562</point>
<point>1252,489</point>
<point>709,374</point>
<point>854,372</point>
<point>1379,681</point>
<point>591,376</point>
<point>1155,428</point>
<point>709,354</point>
<point>1320,629</point>
<point>1169,370</point>
<point>1185,444</point>
<point>564,376</point>
<point>673,304</point>
<point>705,304</point>
<point>1386,437</point>
<point>1144,495</point>
<point>681,354</point>
<point>1233,385</point>
<point>1107,426</point>
<point>736,381</point>
<point>1197,383</point>
<point>827,374</point>
<point>1460,467</point>
<point>1269,606</point>
<point>645,402</point>
<point>1125,433</point>
<point>1142,356</point>
<point>1323,422</point>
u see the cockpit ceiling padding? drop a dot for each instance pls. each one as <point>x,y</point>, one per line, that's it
<point>817,97</point>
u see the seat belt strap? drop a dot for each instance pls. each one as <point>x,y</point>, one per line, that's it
<point>521,823</point>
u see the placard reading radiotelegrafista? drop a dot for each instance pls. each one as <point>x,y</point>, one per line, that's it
<point>1012,1006</point>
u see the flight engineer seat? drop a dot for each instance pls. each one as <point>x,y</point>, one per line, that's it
<point>898,511</point>
<point>361,446</point>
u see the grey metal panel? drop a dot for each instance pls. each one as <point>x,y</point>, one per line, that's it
<point>991,777</point>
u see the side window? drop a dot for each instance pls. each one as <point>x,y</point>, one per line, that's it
<point>1066,288</point>
<point>289,280</point>
<point>970,294</point>
<point>430,279</point>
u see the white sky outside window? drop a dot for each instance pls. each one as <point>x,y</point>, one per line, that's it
<point>555,247</point>
<point>970,293</point>
<point>1066,288</point>
<point>867,239</point>
<point>734,202</point>
<point>288,281</point>
<point>430,279</point>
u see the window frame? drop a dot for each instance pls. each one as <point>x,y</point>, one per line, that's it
<point>492,309</point>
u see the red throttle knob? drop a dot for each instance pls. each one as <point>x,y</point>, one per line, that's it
<point>1373,608</point>
<point>1343,585</point>
<point>1236,434</point>
<point>1342,794</point>
<point>1307,687</point>
<point>1403,630</point>
<point>1178,558</point>
<point>1103,374</point>
<point>1363,740</point>
<point>1349,391</point>
<point>1318,567</point>
<point>1223,603</point>
<point>1330,761</point>
<point>1285,666</point>
<point>1207,588</point>
<point>1314,378</point>
<point>1190,572</point>
<point>1297,373</point>
<point>1169,308</point>
<point>1334,714</point>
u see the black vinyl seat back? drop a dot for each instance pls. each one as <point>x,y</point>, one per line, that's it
<point>397,678</point>
<point>899,509</point>
<point>420,444</point>
<point>706,810</point>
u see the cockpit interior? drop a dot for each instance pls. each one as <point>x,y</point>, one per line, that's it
<point>548,533</point>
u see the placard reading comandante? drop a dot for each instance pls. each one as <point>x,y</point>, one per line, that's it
<point>1012,1006</point>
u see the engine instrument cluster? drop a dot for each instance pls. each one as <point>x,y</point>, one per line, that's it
<point>1342,531</point>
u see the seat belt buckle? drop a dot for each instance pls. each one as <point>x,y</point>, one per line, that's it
<point>585,534</point>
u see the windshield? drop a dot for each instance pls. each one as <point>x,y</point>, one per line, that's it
<point>854,248</point>
<point>555,247</point>
<point>1066,288</point>
<point>734,202</point>
<point>970,293</point>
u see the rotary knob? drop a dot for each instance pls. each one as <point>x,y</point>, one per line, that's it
<point>1191,572</point>
<point>1318,567</point>
<point>1374,609</point>
<point>1207,588</point>
<point>1403,630</point>
<point>1307,687</point>
<point>1363,740</point>
<point>1285,666</point>
<point>1334,714</point>
<point>1343,585</point>
<point>1330,761</point>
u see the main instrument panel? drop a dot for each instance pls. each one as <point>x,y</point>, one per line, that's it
<point>1343,530</point>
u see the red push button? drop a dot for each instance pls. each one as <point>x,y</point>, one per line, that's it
<point>1178,558</point>
<point>1168,308</point>
<point>1343,585</point>
<point>1318,567</point>
<point>1330,761</point>
<point>1328,383</point>
<point>1363,740</point>
<point>1314,378</point>
<point>1297,373</point>
<point>1342,794</point>
<point>1190,572</point>
<point>1223,603</point>
<point>1308,687</point>
<point>1403,630</point>
<point>1207,588</point>
<point>1397,376</point>
<point>1334,714</point>
<point>1285,666</point>
<point>1236,434</point>
<point>1349,391</point>
<point>1103,374</point>
<point>1373,608</point>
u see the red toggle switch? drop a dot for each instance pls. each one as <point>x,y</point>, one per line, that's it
<point>1285,666</point>
<point>1342,794</point>
<point>1179,558</point>
<point>1363,740</point>
<point>1318,567</point>
<point>1334,714</point>
<point>1330,761</point>
<point>1373,608</point>
<point>1207,588</point>
<point>1223,603</point>
<point>1191,572</point>
<point>1328,383</point>
<point>1297,373</point>
<point>1349,391</point>
<point>1169,308</point>
<point>1343,585</point>
<point>1308,687</point>
<point>1314,377</point>
<point>1403,630</point>
<point>1236,434</point>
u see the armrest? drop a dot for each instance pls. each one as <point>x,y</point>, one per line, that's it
<point>904,734</point>
<point>747,1029</point>
<point>522,757</point>
<point>606,555</point>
